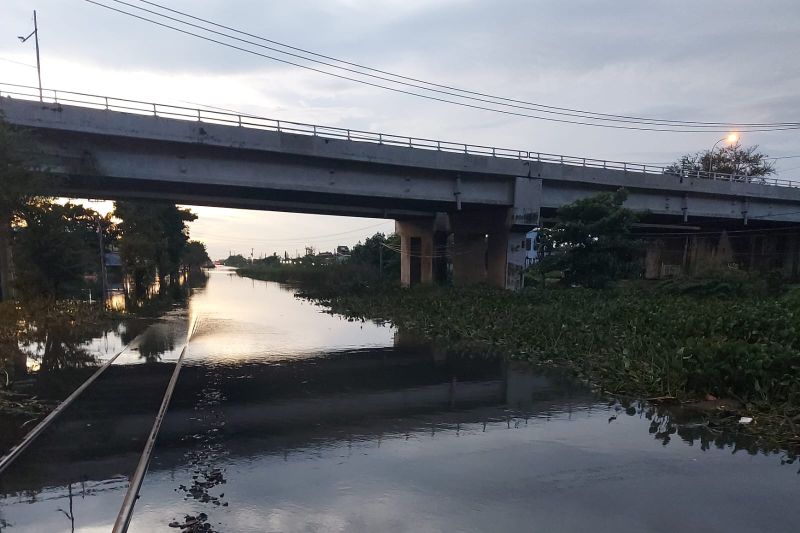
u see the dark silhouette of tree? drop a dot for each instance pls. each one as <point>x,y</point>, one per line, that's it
<point>195,256</point>
<point>380,253</point>
<point>591,242</point>
<point>18,185</point>
<point>734,159</point>
<point>55,246</point>
<point>236,261</point>
<point>153,237</point>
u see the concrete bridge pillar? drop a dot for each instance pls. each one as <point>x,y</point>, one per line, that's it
<point>480,246</point>
<point>791,264</point>
<point>423,250</point>
<point>469,258</point>
<point>653,260</point>
<point>7,289</point>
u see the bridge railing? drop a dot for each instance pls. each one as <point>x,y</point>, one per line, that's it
<point>217,116</point>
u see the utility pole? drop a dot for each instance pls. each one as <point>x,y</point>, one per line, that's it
<point>104,278</point>
<point>380,258</point>
<point>35,35</point>
<point>38,61</point>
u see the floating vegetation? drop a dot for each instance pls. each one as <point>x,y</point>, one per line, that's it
<point>641,341</point>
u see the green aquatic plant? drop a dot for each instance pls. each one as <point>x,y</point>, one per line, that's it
<point>643,341</point>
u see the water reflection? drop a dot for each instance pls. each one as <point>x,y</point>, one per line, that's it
<point>156,297</point>
<point>53,342</point>
<point>115,300</point>
<point>288,419</point>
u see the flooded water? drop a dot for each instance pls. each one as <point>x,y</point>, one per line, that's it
<point>286,418</point>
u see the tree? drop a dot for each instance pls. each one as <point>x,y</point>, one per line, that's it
<point>380,253</point>
<point>195,256</point>
<point>175,239</point>
<point>17,187</point>
<point>734,159</point>
<point>153,237</point>
<point>56,245</point>
<point>591,241</point>
<point>236,261</point>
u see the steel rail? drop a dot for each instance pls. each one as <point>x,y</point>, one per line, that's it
<point>110,103</point>
<point>6,461</point>
<point>126,510</point>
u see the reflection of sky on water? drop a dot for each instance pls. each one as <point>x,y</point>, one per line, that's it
<point>537,475</point>
<point>255,320</point>
<point>561,472</point>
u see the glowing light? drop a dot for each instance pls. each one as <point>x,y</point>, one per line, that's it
<point>733,137</point>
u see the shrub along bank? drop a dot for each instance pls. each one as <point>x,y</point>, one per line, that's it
<point>319,281</point>
<point>678,342</point>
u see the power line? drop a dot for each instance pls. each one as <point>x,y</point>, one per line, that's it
<point>298,239</point>
<point>539,107</point>
<point>793,230</point>
<point>647,121</point>
<point>441,255</point>
<point>695,129</point>
<point>17,62</point>
<point>677,161</point>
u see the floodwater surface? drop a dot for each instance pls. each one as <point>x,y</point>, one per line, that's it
<point>286,418</point>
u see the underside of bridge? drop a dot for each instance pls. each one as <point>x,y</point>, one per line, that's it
<point>486,247</point>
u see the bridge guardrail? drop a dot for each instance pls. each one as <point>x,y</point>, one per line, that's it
<point>212,116</point>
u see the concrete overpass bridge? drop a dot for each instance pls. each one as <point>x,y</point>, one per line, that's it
<point>486,198</point>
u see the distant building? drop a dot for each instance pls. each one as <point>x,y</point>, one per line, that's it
<point>324,258</point>
<point>342,254</point>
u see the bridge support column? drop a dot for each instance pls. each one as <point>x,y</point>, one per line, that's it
<point>7,290</point>
<point>791,265</point>
<point>653,259</point>
<point>480,246</point>
<point>416,251</point>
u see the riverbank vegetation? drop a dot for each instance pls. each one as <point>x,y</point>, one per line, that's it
<point>668,342</point>
<point>369,265</point>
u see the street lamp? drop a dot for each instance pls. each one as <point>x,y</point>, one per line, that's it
<point>731,138</point>
<point>35,33</point>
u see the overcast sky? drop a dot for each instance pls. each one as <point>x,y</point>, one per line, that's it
<point>733,61</point>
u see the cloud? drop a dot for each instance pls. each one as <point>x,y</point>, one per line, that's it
<point>675,59</point>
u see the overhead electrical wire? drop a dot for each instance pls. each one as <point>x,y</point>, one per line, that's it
<point>300,239</point>
<point>641,124</point>
<point>541,107</point>
<point>17,62</point>
<point>537,106</point>
<point>791,230</point>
